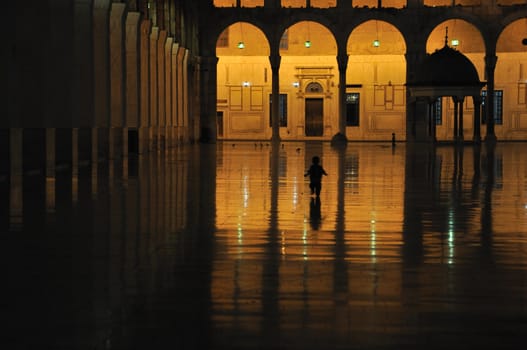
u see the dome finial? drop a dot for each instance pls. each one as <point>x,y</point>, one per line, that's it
<point>446,36</point>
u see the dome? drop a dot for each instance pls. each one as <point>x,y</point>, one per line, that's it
<point>447,67</point>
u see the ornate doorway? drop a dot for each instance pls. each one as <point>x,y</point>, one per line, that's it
<point>314,116</point>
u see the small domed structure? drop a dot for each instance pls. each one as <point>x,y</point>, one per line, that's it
<point>447,66</point>
<point>446,72</point>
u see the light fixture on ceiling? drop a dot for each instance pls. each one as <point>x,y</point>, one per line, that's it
<point>241,44</point>
<point>307,43</point>
<point>376,42</point>
<point>454,42</point>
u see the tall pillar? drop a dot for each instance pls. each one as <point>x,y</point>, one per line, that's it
<point>153,122</point>
<point>50,170</point>
<point>490,66</point>
<point>477,118</point>
<point>416,107</point>
<point>116,79</point>
<point>101,71</point>
<point>15,178</point>
<point>161,90</point>
<point>83,89</point>
<point>131,119</point>
<point>461,134</point>
<point>340,137</point>
<point>168,93</point>
<point>186,100</point>
<point>275,59</point>
<point>174,91</point>
<point>74,165</point>
<point>144,76</point>
<point>456,118</point>
<point>180,97</point>
<point>208,90</point>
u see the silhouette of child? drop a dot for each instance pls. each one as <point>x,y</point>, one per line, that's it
<point>315,173</point>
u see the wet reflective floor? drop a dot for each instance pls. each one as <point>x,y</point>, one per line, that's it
<point>223,247</point>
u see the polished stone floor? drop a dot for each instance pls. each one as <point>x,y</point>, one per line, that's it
<point>223,247</point>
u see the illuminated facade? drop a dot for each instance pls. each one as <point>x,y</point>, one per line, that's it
<point>316,48</point>
<point>107,78</point>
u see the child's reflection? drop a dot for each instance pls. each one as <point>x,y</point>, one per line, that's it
<point>314,213</point>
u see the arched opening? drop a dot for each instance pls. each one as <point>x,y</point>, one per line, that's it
<point>376,74</point>
<point>510,89</point>
<point>465,38</point>
<point>308,82</point>
<point>243,82</point>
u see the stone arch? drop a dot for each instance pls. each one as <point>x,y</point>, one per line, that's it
<point>254,39</point>
<point>316,33</point>
<point>456,21</point>
<point>368,31</point>
<point>323,21</point>
<point>469,37</point>
<point>511,36</point>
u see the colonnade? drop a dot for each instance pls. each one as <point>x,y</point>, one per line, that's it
<point>103,81</point>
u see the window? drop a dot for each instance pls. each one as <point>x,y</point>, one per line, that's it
<point>498,107</point>
<point>282,110</point>
<point>352,109</point>
<point>437,111</point>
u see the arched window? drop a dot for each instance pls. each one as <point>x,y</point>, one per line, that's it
<point>314,88</point>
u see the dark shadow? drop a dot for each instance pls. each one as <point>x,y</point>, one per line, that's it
<point>314,213</point>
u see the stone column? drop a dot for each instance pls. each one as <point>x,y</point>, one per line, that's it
<point>490,66</point>
<point>154,35</point>
<point>50,170</point>
<point>180,96</point>
<point>461,134</point>
<point>101,86</point>
<point>74,165</point>
<point>456,118</point>
<point>161,90</point>
<point>275,59</point>
<point>116,80</point>
<point>144,76</point>
<point>15,179</point>
<point>477,118</point>
<point>342,60</point>
<point>83,77</point>
<point>208,98</point>
<point>132,76</point>
<point>174,98</point>
<point>186,116</point>
<point>416,108</point>
<point>168,93</point>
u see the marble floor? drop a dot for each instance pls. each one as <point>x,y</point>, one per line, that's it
<point>223,247</point>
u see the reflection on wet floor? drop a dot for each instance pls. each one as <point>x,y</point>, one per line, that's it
<point>223,247</point>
